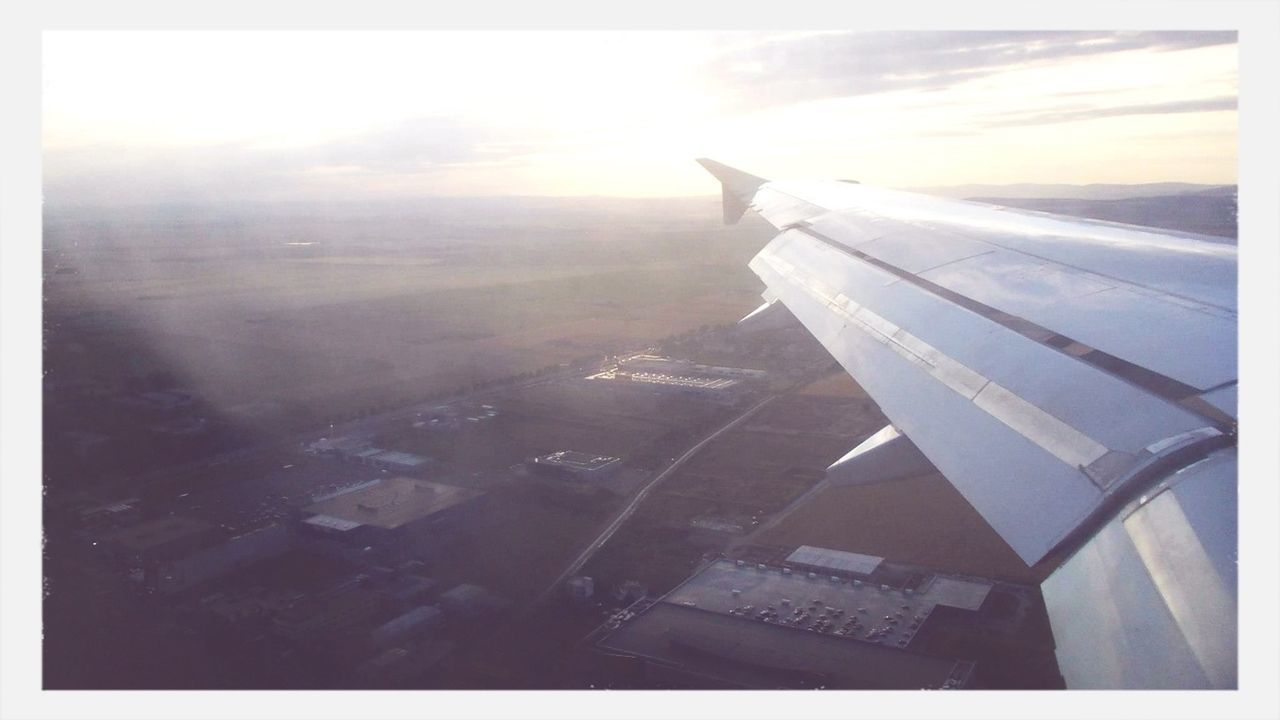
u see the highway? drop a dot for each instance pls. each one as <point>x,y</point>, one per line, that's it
<point>639,497</point>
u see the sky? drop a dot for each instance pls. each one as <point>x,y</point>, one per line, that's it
<point>147,117</point>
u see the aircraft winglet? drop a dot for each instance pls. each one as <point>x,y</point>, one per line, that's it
<point>736,188</point>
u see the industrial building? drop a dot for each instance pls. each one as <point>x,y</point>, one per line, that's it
<point>661,373</point>
<point>658,364</point>
<point>404,591</point>
<point>218,560</point>
<point>742,625</point>
<point>825,560</point>
<point>408,626</point>
<point>360,450</point>
<point>393,460</point>
<point>572,465</point>
<point>387,509</point>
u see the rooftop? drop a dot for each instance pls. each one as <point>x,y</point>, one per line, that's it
<point>397,457</point>
<point>392,502</point>
<point>576,460</point>
<point>658,378</point>
<point>837,560</point>
<point>751,620</point>
<point>329,522</point>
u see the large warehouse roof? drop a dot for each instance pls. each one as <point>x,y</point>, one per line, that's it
<point>393,502</point>
<point>835,560</point>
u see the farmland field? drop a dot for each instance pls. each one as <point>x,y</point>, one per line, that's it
<point>289,317</point>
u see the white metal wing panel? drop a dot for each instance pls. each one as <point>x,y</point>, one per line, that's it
<point>1067,424</point>
<point>915,250</point>
<point>1116,414</point>
<point>1008,279</point>
<point>1028,495</point>
<point>1171,307</point>
<point>781,209</point>
<point>1194,347</point>
<point>1196,266</point>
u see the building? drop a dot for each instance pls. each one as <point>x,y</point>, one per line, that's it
<point>573,465</point>
<point>666,374</point>
<point>360,450</point>
<point>388,509</point>
<point>396,461</point>
<point>405,591</point>
<point>659,364</point>
<point>742,625</point>
<point>408,627</point>
<point>215,561</point>
<point>837,562</point>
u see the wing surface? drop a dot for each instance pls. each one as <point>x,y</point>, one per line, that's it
<point>1040,362</point>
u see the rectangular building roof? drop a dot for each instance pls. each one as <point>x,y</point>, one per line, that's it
<point>332,523</point>
<point>837,560</point>
<point>397,457</point>
<point>577,460</point>
<point>393,502</point>
<point>958,593</point>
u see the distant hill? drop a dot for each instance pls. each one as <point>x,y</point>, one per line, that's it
<point>1096,191</point>
<point>1207,212</point>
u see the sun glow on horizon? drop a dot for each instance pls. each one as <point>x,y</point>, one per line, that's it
<point>136,116</point>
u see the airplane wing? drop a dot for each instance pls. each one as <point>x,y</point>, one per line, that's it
<point>1052,368</point>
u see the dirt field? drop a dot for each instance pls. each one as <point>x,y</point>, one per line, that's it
<point>520,542</point>
<point>923,521</point>
<point>843,417</point>
<point>839,384</point>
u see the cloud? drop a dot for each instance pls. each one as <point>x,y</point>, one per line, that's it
<point>413,146</point>
<point>1062,115</point>
<point>420,147</point>
<point>796,69</point>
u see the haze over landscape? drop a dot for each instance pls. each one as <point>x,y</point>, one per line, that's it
<point>412,360</point>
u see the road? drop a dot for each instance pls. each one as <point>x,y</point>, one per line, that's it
<point>639,497</point>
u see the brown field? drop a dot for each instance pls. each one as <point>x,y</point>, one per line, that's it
<point>923,521</point>
<point>839,384</point>
<point>850,418</point>
<point>748,452</point>
<point>520,542</point>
